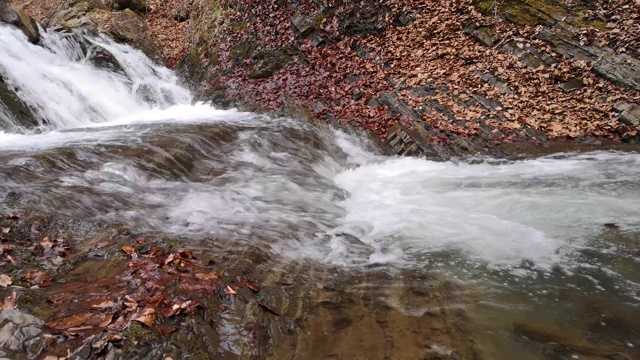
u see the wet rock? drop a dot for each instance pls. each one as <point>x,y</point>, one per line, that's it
<point>132,29</point>
<point>357,94</point>
<point>102,58</point>
<point>274,300</point>
<point>135,5</point>
<point>12,110</point>
<point>99,347</point>
<point>21,333</point>
<point>20,19</point>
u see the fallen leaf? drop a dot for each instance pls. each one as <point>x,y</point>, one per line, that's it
<point>39,278</point>
<point>229,291</point>
<point>5,230</point>
<point>102,245</point>
<point>148,317</point>
<point>5,281</point>
<point>104,305</point>
<point>128,249</point>
<point>46,244</point>
<point>70,322</point>
<point>209,276</point>
<point>8,302</point>
<point>165,330</point>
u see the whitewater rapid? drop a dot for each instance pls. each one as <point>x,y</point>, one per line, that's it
<point>301,190</point>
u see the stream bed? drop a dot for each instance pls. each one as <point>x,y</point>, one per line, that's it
<point>386,257</point>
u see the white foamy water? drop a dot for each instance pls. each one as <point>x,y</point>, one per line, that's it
<point>501,213</point>
<point>302,191</point>
<point>57,80</point>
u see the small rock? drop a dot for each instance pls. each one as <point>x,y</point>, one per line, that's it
<point>317,40</point>
<point>482,34</point>
<point>631,115</point>
<point>303,25</point>
<point>357,94</point>
<point>574,83</point>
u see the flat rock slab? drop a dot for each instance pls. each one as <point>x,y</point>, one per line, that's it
<point>20,332</point>
<point>620,69</point>
<point>630,114</point>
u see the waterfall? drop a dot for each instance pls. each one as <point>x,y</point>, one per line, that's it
<point>62,82</point>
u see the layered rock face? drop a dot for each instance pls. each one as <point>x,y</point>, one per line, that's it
<point>432,78</point>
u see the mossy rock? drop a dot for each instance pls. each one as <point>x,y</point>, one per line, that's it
<point>268,63</point>
<point>537,12</point>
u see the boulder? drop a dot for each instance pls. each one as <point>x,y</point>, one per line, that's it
<point>103,59</point>
<point>14,112</point>
<point>20,19</point>
<point>21,333</point>
<point>131,28</point>
<point>135,5</point>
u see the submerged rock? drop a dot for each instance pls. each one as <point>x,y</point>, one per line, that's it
<point>20,19</point>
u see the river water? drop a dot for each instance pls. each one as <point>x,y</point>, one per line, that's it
<point>546,249</point>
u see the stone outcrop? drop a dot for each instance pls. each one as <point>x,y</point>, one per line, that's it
<point>278,57</point>
<point>126,24</point>
<point>21,20</point>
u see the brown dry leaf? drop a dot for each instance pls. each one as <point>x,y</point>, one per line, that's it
<point>209,276</point>
<point>104,305</point>
<point>102,245</point>
<point>46,244</point>
<point>5,230</point>
<point>229,291</point>
<point>39,278</point>
<point>128,249</point>
<point>71,321</point>
<point>5,280</point>
<point>165,330</point>
<point>148,317</point>
<point>9,302</point>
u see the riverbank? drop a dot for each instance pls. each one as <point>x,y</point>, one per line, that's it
<point>430,79</point>
<point>188,231</point>
<point>117,292</point>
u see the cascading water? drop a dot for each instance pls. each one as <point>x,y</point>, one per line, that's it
<point>129,145</point>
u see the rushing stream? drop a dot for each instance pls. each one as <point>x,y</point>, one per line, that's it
<point>554,240</point>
